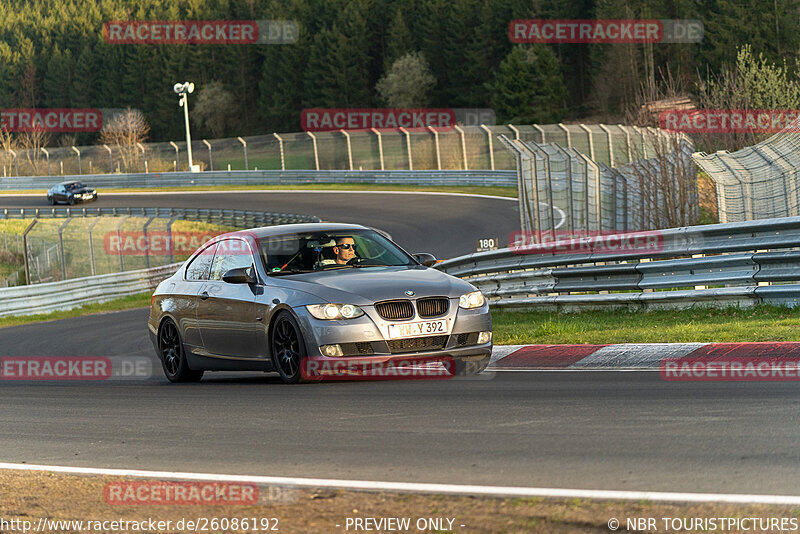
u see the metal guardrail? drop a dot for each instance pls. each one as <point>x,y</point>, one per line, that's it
<point>222,178</point>
<point>68,294</point>
<point>241,218</point>
<point>716,265</point>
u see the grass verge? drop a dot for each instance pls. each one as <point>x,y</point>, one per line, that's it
<point>510,192</point>
<point>58,497</point>
<point>760,323</point>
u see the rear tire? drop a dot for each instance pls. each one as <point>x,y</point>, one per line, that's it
<point>173,356</point>
<point>71,201</point>
<point>287,348</point>
<point>52,201</point>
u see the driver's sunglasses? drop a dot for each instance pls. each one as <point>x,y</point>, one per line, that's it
<point>347,246</point>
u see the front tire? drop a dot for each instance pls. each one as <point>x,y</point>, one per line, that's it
<point>287,347</point>
<point>173,356</point>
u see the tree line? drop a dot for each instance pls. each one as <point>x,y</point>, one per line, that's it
<point>368,53</point>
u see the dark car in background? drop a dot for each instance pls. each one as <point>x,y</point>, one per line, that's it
<point>71,193</point>
<point>266,299</point>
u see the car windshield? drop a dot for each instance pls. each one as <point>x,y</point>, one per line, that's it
<point>320,251</point>
<point>75,185</point>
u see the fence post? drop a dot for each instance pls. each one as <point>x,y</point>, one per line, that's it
<point>78,152</point>
<point>91,246</point>
<point>349,148</point>
<point>177,158</point>
<point>610,145</point>
<point>541,131</point>
<point>515,130</point>
<point>436,143</point>
<point>47,154</point>
<point>627,141</point>
<point>536,227</point>
<point>568,161</point>
<point>491,148</point>
<point>549,179</point>
<point>316,152</point>
<point>591,139</point>
<point>169,238</point>
<point>147,250</point>
<point>598,215</point>
<point>408,146</point>
<point>566,131</point>
<point>110,160</point>
<point>210,157</point>
<point>280,144</point>
<point>460,130</point>
<point>144,161</point>
<point>16,165</point>
<point>119,236</point>
<point>244,144</point>
<point>25,251</point>
<point>380,146</point>
<point>61,247</point>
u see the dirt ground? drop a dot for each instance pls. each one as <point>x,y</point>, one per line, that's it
<point>31,496</point>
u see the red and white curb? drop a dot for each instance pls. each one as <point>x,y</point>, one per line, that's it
<point>633,356</point>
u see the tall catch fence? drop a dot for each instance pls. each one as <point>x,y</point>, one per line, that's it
<point>757,182</point>
<point>51,245</point>
<point>465,148</point>
<point>562,189</point>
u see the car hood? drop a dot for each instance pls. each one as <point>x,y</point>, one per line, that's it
<point>81,190</point>
<point>364,286</point>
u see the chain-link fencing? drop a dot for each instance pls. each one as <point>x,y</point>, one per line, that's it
<point>466,148</point>
<point>561,189</point>
<point>757,182</point>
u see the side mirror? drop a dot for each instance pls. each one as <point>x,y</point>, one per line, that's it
<point>428,260</point>
<point>239,276</point>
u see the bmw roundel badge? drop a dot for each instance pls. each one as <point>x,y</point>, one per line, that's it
<point>409,293</point>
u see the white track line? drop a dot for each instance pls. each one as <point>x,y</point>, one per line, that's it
<point>245,191</point>
<point>511,491</point>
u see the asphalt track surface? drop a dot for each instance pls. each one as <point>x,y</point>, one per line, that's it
<point>442,224</point>
<point>574,429</point>
<point>587,430</point>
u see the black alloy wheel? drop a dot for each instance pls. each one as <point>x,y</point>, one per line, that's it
<point>173,357</point>
<point>288,349</point>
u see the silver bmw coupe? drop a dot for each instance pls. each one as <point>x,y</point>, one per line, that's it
<point>268,299</point>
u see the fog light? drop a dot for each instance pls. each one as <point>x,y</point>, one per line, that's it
<point>484,337</point>
<point>331,350</point>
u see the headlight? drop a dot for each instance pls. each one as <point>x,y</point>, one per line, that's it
<point>334,311</point>
<point>471,300</point>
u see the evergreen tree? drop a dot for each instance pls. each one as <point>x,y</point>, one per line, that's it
<point>528,87</point>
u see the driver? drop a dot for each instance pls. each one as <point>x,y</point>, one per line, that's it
<point>345,250</point>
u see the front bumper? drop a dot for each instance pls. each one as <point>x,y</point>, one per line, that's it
<point>371,330</point>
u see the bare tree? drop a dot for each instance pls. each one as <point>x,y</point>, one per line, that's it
<point>124,131</point>
<point>662,171</point>
<point>28,147</point>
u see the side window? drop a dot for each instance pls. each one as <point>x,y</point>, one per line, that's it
<point>201,264</point>
<point>231,254</point>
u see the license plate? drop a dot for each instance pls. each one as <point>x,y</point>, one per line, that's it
<point>424,328</point>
